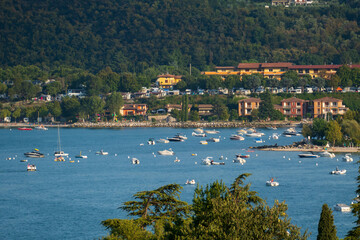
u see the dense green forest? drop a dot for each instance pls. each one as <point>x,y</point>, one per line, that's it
<point>132,36</point>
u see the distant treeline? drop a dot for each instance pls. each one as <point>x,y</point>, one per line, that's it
<point>131,36</point>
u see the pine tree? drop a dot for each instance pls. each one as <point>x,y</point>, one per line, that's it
<point>326,227</point>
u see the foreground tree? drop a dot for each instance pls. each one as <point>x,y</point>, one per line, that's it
<point>217,212</point>
<point>326,227</point>
<point>354,233</point>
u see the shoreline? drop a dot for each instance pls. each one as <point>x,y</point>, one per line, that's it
<point>128,124</point>
<point>316,149</point>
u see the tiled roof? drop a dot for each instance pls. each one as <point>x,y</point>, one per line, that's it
<point>327,99</point>
<point>249,65</point>
<point>293,99</point>
<point>226,67</point>
<point>279,64</point>
<point>322,66</point>
<point>250,100</point>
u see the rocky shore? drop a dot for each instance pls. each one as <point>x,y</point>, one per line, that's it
<point>133,124</point>
<point>305,147</point>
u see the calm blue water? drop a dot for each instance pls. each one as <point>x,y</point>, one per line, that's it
<point>64,200</point>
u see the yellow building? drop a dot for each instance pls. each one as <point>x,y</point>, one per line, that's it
<point>245,106</point>
<point>326,105</point>
<point>276,70</point>
<point>167,81</point>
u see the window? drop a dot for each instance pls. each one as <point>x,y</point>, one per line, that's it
<point>246,70</point>
<point>300,71</point>
<point>316,70</point>
<point>307,71</point>
<point>270,70</point>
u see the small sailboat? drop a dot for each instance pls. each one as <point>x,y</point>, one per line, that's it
<point>60,153</point>
<point>80,156</point>
<point>191,182</point>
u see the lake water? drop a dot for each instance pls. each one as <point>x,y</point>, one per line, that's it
<point>64,200</point>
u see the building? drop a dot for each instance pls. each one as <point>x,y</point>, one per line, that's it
<point>276,70</point>
<point>133,110</point>
<point>170,107</point>
<point>290,2</point>
<point>245,106</point>
<point>205,109</point>
<point>167,81</point>
<point>294,107</point>
<point>326,105</point>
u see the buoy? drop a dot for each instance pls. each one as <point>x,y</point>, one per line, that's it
<point>115,154</point>
<point>316,164</point>
<point>283,156</point>
<point>195,162</point>
<point>141,144</point>
<point>128,156</point>
<point>78,160</point>
<point>256,155</point>
<point>299,161</point>
<point>289,158</point>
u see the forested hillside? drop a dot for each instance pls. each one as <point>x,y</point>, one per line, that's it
<point>132,35</point>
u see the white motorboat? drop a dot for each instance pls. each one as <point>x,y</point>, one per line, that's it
<point>135,161</point>
<point>101,152</point>
<point>175,139</point>
<point>337,171</point>
<point>237,137</point>
<point>151,141</point>
<point>191,182</point>
<point>210,161</point>
<point>291,132</point>
<point>272,183</point>
<point>198,134</point>
<point>203,142</point>
<point>166,152</point>
<point>41,127</point>
<point>239,160</point>
<point>258,140</point>
<point>271,128</point>
<point>254,134</point>
<point>275,136</point>
<point>211,131</point>
<point>161,140</point>
<point>199,130</point>
<point>213,140</point>
<point>347,158</point>
<point>243,155</point>
<point>179,135</point>
<point>327,154</point>
<point>308,155</point>
<point>60,153</point>
<point>342,207</point>
<point>241,131</point>
<point>250,130</point>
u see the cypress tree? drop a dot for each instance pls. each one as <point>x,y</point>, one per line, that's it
<point>326,227</point>
<point>355,232</point>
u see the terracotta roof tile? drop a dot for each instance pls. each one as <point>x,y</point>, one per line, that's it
<point>278,64</point>
<point>327,99</point>
<point>249,65</point>
<point>293,99</point>
<point>250,100</point>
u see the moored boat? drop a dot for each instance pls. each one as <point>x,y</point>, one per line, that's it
<point>161,140</point>
<point>198,134</point>
<point>80,156</point>
<point>211,131</point>
<point>34,154</point>
<point>25,129</point>
<point>272,183</point>
<point>327,154</point>
<point>41,127</point>
<point>239,160</point>
<point>151,141</point>
<point>213,140</point>
<point>342,207</point>
<point>191,182</point>
<point>203,142</point>
<point>166,152</point>
<point>135,161</point>
<point>59,159</point>
<point>337,171</point>
<point>347,158</point>
<point>102,152</point>
<point>31,168</point>
<point>308,155</point>
<point>237,137</point>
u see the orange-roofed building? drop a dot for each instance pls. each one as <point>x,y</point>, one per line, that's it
<point>294,107</point>
<point>133,109</point>
<point>325,105</point>
<point>246,106</point>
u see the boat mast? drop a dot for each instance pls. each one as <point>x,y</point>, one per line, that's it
<point>59,144</point>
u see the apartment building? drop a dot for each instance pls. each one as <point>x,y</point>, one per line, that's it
<point>246,106</point>
<point>294,107</point>
<point>133,109</point>
<point>167,81</point>
<point>325,105</point>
